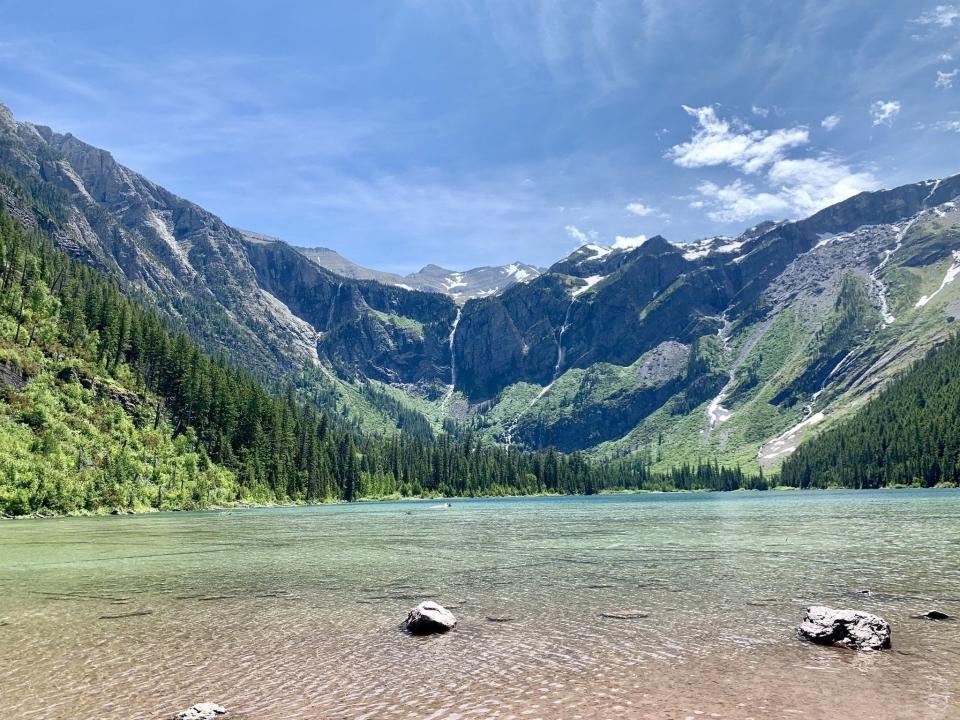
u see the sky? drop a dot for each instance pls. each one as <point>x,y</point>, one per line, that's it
<point>472,132</point>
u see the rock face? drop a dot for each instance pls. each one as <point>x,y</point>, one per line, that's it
<point>853,629</point>
<point>429,617</point>
<point>201,711</point>
<point>624,342</point>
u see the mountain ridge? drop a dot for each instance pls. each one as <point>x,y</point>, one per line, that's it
<point>714,349</point>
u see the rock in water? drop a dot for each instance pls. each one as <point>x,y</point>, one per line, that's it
<point>933,615</point>
<point>429,617</point>
<point>845,628</point>
<point>625,614</point>
<point>201,711</point>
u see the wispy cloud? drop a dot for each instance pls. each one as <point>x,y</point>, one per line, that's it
<point>947,125</point>
<point>577,234</point>
<point>883,112</point>
<point>794,186</point>
<point>942,15</point>
<point>945,79</point>
<point>830,122</point>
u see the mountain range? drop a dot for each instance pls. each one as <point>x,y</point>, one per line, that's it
<point>461,285</point>
<point>729,348</point>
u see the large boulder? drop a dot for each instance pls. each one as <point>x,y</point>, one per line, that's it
<point>845,628</point>
<point>201,711</point>
<point>429,617</point>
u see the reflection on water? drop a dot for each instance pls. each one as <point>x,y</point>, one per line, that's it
<point>296,613</point>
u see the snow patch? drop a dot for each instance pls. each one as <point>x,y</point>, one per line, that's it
<point>951,275</point>
<point>598,251</point>
<point>786,443</point>
<point>454,281</point>
<point>517,273</point>
<point>591,281</point>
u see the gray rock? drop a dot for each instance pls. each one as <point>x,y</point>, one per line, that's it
<point>625,614</point>
<point>853,629</point>
<point>201,711</point>
<point>933,615</point>
<point>430,617</point>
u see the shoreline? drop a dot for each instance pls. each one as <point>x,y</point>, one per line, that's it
<point>105,512</point>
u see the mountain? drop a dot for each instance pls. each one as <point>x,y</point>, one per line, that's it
<point>104,407</point>
<point>907,436</point>
<point>258,300</point>
<point>732,348</point>
<point>459,285</point>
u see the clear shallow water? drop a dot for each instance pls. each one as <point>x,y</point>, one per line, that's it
<point>295,613</point>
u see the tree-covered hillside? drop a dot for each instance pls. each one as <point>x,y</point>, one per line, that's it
<point>907,435</point>
<point>103,405</point>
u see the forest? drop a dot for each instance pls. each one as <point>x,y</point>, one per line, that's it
<point>908,435</point>
<point>106,405</point>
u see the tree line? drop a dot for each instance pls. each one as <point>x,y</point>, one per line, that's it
<point>274,444</point>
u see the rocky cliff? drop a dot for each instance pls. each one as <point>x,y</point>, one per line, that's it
<point>730,347</point>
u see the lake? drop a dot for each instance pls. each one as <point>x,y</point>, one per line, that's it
<point>296,612</point>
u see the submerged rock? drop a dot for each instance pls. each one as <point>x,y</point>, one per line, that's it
<point>933,615</point>
<point>429,617</point>
<point>201,711</point>
<point>844,628</point>
<point>625,614</point>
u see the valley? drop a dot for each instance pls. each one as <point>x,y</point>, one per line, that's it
<point>728,350</point>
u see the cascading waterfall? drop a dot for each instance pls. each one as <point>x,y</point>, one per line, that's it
<point>878,284</point>
<point>508,433</point>
<point>333,306</point>
<point>563,329</point>
<point>453,361</point>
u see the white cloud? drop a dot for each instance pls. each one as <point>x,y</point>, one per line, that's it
<point>638,208</point>
<point>830,122</point>
<point>577,234</point>
<point>945,79</point>
<point>718,143</point>
<point>942,15</point>
<point>884,111</point>
<point>782,186</point>
<point>738,201</point>
<point>626,243</point>
<point>946,57</point>
<point>811,184</point>
<point>760,111</point>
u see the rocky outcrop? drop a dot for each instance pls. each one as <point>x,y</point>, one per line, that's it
<point>201,711</point>
<point>12,375</point>
<point>429,617</point>
<point>853,629</point>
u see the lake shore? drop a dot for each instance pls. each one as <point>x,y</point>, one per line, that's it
<point>240,506</point>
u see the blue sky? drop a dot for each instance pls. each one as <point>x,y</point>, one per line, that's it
<point>464,133</point>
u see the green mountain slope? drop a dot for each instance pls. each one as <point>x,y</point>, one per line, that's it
<point>103,405</point>
<point>908,435</point>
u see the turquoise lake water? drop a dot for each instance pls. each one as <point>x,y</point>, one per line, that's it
<point>295,612</point>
